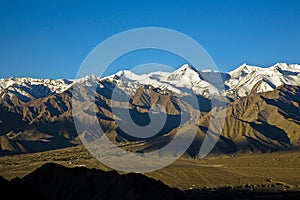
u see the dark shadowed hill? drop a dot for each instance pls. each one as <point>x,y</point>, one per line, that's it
<point>56,182</point>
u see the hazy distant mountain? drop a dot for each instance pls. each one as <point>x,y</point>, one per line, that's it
<point>262,114</point>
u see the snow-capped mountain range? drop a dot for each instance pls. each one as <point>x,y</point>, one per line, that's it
<point>31,88</point>
<point>246,79</point>
<point>184,80</point>
<point>240,82</point>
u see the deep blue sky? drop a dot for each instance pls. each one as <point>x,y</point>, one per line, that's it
<point>50,39</point>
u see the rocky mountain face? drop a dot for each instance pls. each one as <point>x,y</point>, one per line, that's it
<point>262,122</point>
<point>257,107</point>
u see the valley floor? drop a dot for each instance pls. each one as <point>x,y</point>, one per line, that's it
<point>279,171</point>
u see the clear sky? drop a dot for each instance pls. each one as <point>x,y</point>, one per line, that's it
<point>50,39</point>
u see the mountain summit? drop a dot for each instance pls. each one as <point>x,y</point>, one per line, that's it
<point>252,79</point>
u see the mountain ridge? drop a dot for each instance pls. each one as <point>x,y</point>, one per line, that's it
<point>257,122</point>
<point>237,83</point>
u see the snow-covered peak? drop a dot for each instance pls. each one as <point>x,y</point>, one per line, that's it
<point>126,74</point>
<point>32,88</point>
<point>55,85</point>
<point>285,66</point>
<point>184,80</point>
<point>243,70</point>
<point>248,79</point>
<point>240,82</point>
<point>186,69</point>
<point>185,73</point>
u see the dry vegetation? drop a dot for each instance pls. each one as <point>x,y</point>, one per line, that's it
<point>271,171</point>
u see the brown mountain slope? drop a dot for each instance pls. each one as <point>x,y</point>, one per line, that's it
<point>257,123</point>
<point>47,123</point>
<point>260,122</point>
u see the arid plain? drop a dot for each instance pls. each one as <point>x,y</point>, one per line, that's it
<point>268,172</point>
